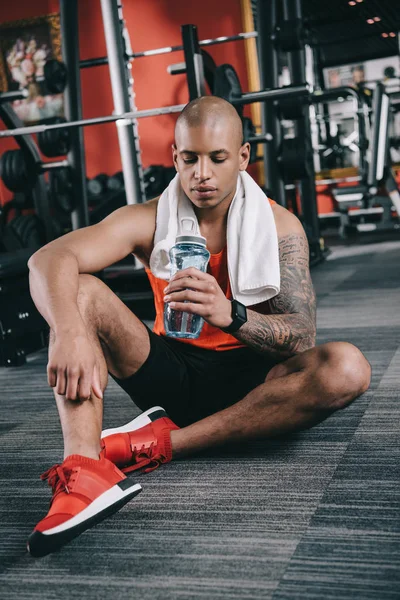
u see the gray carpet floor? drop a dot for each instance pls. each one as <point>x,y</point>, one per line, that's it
<point>312,515</point>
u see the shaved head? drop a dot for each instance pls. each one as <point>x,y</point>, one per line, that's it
<point>209,153</point>
<point>211,111</point>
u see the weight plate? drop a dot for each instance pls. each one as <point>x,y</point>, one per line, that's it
<point>55,75</point>
<point>227,85</point>
<point>18,171</point>
<point>54,142</point>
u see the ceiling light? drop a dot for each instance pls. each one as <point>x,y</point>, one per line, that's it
<point>392,34</point>
<point>352,3</point>
<point>377,19</point>
<point>370,21</point>
<point>359,1</point>
<point>385,35</point>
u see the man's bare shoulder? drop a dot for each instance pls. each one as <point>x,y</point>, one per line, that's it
<point>286,222</point>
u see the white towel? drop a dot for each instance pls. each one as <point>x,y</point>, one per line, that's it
<point>252,240</point>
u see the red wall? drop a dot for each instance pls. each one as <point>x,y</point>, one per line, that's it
<point>151,24</point>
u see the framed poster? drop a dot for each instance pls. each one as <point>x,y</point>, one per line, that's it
<point>344,75</point>
<point>25,47</point>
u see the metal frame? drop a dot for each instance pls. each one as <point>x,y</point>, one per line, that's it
<point>378,156</point>
<point>73,109</point>
<point>11,96</point>
<point>275,94</point>
<point>292,10</point>
<point>123,102</point>
<point>362,112</point>
<point>96,62</point>
<point>268,63</point>
<point>39,192</point>
<point>194,62</point>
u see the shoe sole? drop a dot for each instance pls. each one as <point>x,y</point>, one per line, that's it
<point>43,543</point>
<point>144,419</point>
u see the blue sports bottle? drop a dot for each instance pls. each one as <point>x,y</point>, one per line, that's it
<point>189,251</point>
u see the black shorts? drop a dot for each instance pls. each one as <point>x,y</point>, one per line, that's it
<point>192,383</point>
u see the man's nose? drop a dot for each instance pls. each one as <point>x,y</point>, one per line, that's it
<point>202,169</point>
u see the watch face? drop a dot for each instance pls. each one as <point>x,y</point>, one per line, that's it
<point>241,312</point>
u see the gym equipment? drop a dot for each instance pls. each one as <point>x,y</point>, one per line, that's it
<point>62,190</point>
<point>285,32</point>
<point>20,171</point>
<point>208,64</point>
<point>374,204</point>
<point>107,204</point>
<point>54,142</point>
<point>24,231</point>
<point>95,62</point>
<point>246,98</point>
<point>22,329</point>
<point>227,85</point>
<point>97,186</point>
<point>295,158</point>
<point>157,178</point>
<point>118,46</point>
<point>39,193</point>
<point>249,135</point>
<point>116,182</point>
<point>55,76</point>
<point>11,96</point>
<point>132,286</point>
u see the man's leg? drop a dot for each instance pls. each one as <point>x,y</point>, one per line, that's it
<point>121,343</point>
<point>297,394</point>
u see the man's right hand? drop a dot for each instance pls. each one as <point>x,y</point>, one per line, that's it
<point>72,369</point>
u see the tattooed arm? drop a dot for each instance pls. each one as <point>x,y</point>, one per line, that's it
<point>292,326</point>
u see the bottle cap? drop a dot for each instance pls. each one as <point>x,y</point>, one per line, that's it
<point>188,233</point>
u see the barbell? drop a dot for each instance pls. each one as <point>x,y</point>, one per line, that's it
<point>290,91</point>
<point>95,62</point>
<point>19,170</point>
<point>55,78</point>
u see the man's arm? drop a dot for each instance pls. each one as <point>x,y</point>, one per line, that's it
<point>292,327</point>
<point>55,268</point>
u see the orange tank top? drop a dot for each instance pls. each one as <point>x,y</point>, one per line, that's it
<point>210,338</point>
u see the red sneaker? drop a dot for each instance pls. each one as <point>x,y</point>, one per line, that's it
<point>85,491</point>
<point>143,442</point>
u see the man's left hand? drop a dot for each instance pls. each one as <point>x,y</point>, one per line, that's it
<point>203,296</point>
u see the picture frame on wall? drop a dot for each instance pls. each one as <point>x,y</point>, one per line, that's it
<point>25,47</point>
<point>344,75</point>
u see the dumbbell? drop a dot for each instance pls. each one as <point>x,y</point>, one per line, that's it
<point>97,186</point>
<point>116,182</point>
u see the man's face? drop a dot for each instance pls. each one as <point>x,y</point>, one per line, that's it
<point>208,160</point>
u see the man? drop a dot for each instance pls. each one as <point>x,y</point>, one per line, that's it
<point>266,376</point>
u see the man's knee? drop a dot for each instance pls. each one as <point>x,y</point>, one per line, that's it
<point>342,375</point>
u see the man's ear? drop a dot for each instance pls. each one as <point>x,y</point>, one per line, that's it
<point>174,156</point>
<point>244,156</point>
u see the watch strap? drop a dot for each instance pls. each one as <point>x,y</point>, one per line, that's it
<point>239,317</point>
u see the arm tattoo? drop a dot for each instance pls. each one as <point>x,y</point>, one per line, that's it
<point>291,328</point>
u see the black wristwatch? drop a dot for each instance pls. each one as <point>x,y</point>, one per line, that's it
<point>239,316</point>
